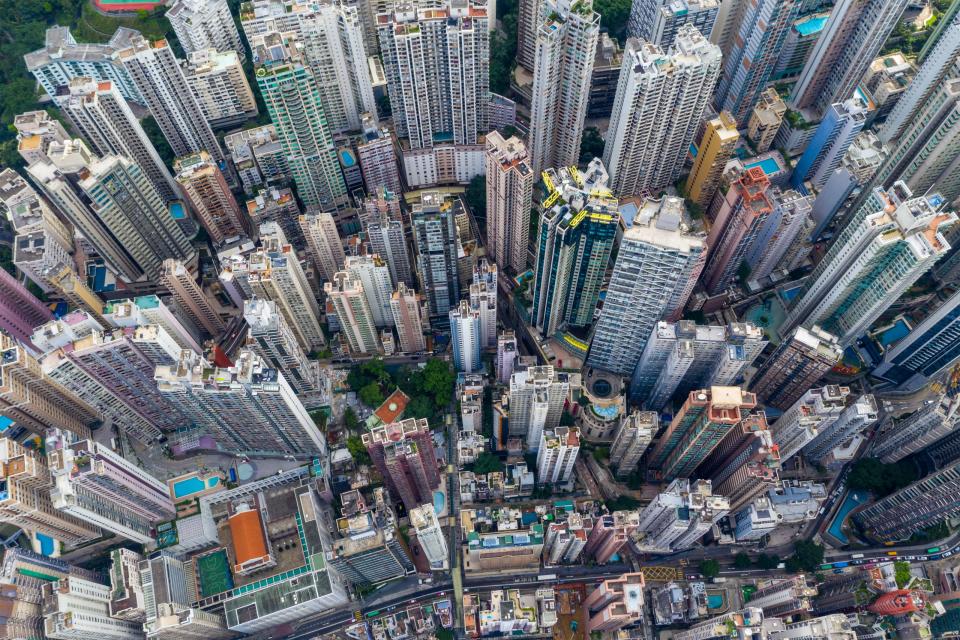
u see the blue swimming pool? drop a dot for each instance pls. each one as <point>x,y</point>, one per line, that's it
<point>714,601</point>
<point>47,545</point>
<point>811,25</point>
<point>347,158</point>
<point>769,165</point>
<point>438,502</point>
<point>853,500</point>
<point>177,211</point>
<point>790,294</point>
<point>187,486</point>
<point>5,423</point>
<point>898,331</point>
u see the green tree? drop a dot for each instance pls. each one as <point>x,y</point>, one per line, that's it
<point>613,16</point>
<point>439,380</point>
<point>601,454</point>
<point>710,568</point>
<point>742,561</point>
<point>358,451</point>
<point>476,195</point>
<point>768,562</point>
<point>807,556</point>
<point>152,129</point>
<point>487,462</point>
<point>371,395</point>
<point>566,419</point>
<point>591,145</point>
<point>622,503</point>
<point>869,474</point>
<point>350,420</point>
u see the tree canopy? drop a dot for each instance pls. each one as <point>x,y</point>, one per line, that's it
<point>869,474</point>
<point>710,568</point>
<point>358,451</point>
<point>807,556</point>
<point>487,462</point>
<point>613,16</point>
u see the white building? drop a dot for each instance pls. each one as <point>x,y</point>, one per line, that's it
<point>152,310</point>
<point>509,192</point>
<point>851,422</point>
<point>436,61</point>
<point>835,626</point>
<point>220,86</point>
<point>566,40</point>
<point>323,243</point>
<point>385,233</point>
<point>842,122</point>
<point>802,422</point>
<point>373,273</point>
<point>755,520</point>
<point>796,500</point>
<point>680,515</point>
<point>557,455</point>
<point>465,338</point>
<point>272,339</point>
<point>660,258</point>
<point>274,273</point>
<point>632,441</point>
<point>78,609</point>
<point>536,399</point>
<point>743,624</point>
<point>405,306</point>
<point>205,24</point>
<point>331,35</point>
<point>925,426</point>
<point>784,227</point>
<point>352,305</point>
<point>430,536</point>
<point>377,154</point>
<point>506,355</point>
<point>660,98</point>
<point>157,75</point>
<point>99,112</point>
<point>483,299</point>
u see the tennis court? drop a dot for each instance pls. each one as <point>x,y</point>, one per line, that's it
<point>213,573</point>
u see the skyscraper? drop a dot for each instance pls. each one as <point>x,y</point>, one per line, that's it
<point>697,428</point>
<point>506,355</point>
<point>275,274</point>
<point>62,58</point>
<point>436,241</point>
<point>937,68</point>
<point>323,243</point>
<point>660,258</point>
<point>659,22</point>
<point>204,24</point>
<point>932,346</point>
<point>156,73</point>
<point>841,123</point>
<point>852,421</point>
<point>765,119</point>
<point>796,365</point>
<point>851,39</point>
<point>633,438</point>
<point>272,339</point>
<point>377,154</point>
<point>102,116</point>
<point>99,486</point>
<point>925,152</point>
<point>346,292</point>
<point>557,455</point>
<point>25,500</point>
<point>465,337</point>
<point>291,91</point>
<point>680,515</point>
<point>650,135</point>
<point>374,274</point>
<point>536,401</point>
<point>405,305</point>
<point>430,536</point>
<point>20,310</point>
<point>33,401</point>
<point>565,47</point>
<point>483,299</point>
<point>129,225</point>
<point>738,223</point>
<point>403,453</point>
<point>189,297</point>
<point>616,603</point>
<point>925,426</point>
<point>745,464</point>
<point>609,535</point>
<point>387,239</point>
<point>784,227</point>
<point>885,254</point>
<point>719,141</point>
<point>926,502</point>
<point>66,598</point>
<point>248,407</point>
<point>802,421</point>
<point>751,56</point>
<point>436,62</point>
<point>209,196</point>
<point>509,192</point>
<point>578,222</point>
<point>74,291</point>
<point>332,37</point>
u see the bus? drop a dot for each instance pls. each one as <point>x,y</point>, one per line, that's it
<point>933,550</point>
<point>857,556</point>
<point>840,565</point>
<point>546,577</point>
<point>373,614</point>
<point>824,567</point>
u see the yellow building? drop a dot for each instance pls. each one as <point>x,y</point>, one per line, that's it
<point>716,147</point>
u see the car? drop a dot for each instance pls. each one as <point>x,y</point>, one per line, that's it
<point>948,554</point>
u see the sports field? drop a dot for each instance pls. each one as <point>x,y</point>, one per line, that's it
<point>213,573</point>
